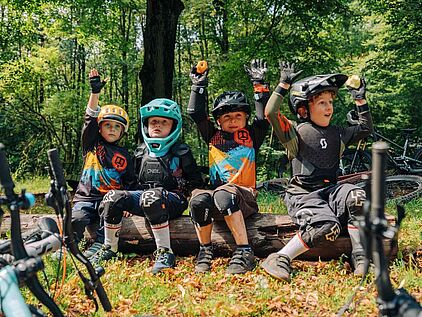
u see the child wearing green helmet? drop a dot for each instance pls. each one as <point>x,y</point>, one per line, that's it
<point>107,165</point>
<point>166,172</point>
<point>317,204</point>
<point>233,147</point>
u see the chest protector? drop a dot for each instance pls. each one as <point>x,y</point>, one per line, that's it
<point>155,171</point>
<point>317,161</point>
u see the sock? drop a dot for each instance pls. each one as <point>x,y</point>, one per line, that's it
<point>355,238</point>
<point>294,247</point>
<point>161,234</point>
<point>245,247</point>
<point>111,236</point>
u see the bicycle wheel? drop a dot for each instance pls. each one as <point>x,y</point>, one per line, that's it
<point>401,188</point>
<point>363,161</point>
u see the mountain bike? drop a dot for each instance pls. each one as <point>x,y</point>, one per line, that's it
<point>24,268</point>
<point>401,159</point>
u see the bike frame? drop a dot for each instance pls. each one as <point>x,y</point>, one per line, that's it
<point>31,265</point>
<point>400,162</point>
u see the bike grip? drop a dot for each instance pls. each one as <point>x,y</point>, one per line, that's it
<point>49,244</point>
<point>12,303</point>
<point>5,179</point>
<point>201,67</point>
<point>29,201</point>
<point>56,167</point>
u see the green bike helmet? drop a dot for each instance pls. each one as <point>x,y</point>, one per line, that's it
<point>303,90</point>
<point>161,108</point>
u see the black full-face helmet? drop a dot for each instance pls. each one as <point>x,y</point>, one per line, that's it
<point>230,101</point>
<point>303,90</point>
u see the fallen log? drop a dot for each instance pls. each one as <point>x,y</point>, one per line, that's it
<point>267,233</point>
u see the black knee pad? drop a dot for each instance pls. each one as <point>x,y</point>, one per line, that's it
<point>354,203</point>
<point>154,204</point>
<point>225,202</point>
<point>113,205</point>
<point>315,234</point>
<point>200,209</point>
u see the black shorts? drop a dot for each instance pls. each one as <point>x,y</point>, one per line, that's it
<point>326,204</point>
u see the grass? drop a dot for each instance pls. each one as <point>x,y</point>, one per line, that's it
<point>317,288</point>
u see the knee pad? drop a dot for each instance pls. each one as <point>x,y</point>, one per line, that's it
<point>225,202</point>
<point>354,202</point>
<point>314,235</point>
<point>113,205</point>
<point>153,203</point>
<point>200,209</point>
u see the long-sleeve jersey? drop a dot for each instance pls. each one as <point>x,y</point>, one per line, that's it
<point>106,166</point>
<point>314,151</point>
<point>232,156</point>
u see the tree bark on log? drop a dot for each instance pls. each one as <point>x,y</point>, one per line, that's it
<point>267,233</point>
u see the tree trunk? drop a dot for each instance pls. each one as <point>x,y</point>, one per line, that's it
<point>267,233</point>
<point>156,74</point>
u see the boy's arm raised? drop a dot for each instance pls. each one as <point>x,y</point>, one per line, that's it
<point>282,126</point>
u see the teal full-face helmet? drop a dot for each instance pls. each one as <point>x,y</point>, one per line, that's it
<point>161,108</point>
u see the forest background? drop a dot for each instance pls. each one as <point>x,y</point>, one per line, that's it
<point>147,48</point>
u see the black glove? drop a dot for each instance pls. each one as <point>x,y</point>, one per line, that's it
<point>96,84</point>
<point>358,93</point>
<point>257,71</point>
<point>287,72</point>
<point>200,80</point>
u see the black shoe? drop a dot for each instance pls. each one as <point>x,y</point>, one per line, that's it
<point>278,266</point>
<point>203,262</point>
<point>242,261</point>
<point>93,249</point>
<point>105,254</point>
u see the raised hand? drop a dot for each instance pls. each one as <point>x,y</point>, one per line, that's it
<point>357,92</point>
<point>287,72</point>
<point>256,71</point>
<point>198,78</point>
<point>95,81</point>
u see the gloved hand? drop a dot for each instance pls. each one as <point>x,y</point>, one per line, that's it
<point>257,71</point>
<point>287,72</point>
<point>199,79</point>
<point>358,93</point>
<point>95,82</point>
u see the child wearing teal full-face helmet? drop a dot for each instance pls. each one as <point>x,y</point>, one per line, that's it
<point>166,173</point>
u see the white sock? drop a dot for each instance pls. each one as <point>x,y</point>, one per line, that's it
<point>355,238</point>
<point>161,234</point>
<point>111,235</point>
<point>294,247</point>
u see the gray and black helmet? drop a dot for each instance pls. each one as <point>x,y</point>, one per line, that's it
<point>302,90</point>
<point>230,101</point>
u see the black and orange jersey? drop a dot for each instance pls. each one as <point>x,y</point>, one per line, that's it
<point>232,156</point>
<point>106,166</point>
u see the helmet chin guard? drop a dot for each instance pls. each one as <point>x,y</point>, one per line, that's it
<point>161,108</point>
<point>303,90</point>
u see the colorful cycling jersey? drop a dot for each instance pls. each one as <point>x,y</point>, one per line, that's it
<point>107,165</point>
<point>232,156</point>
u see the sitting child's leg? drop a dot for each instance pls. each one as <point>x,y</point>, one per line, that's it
<point>228,201</point>
<point>159,206</point>
<point>201,207</point>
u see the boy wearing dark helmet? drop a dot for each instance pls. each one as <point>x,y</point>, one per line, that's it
<point>107,165</point>
<point>233,146</point>
<point>166,173</point>
<point>316,203</point>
